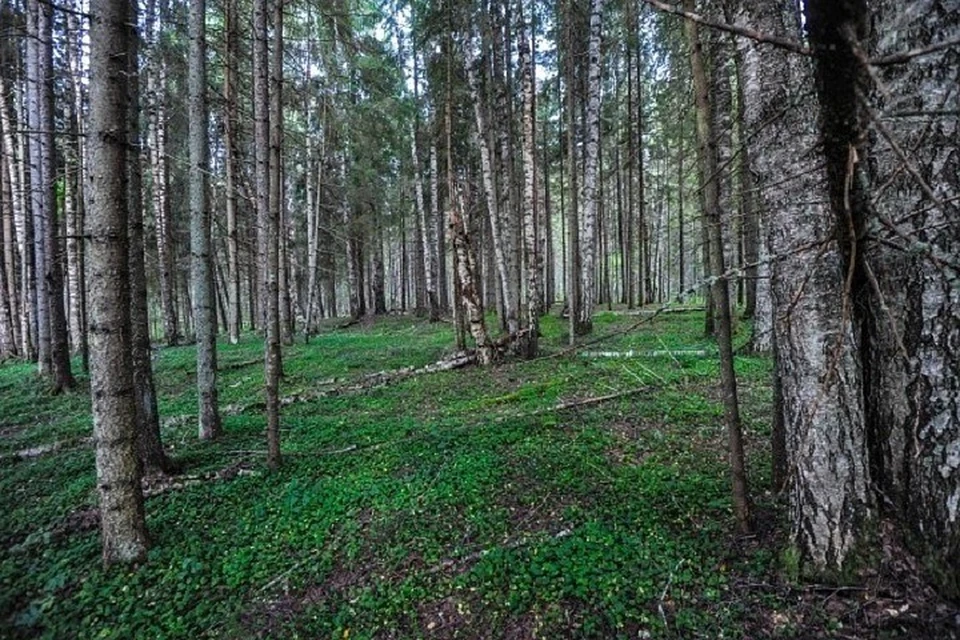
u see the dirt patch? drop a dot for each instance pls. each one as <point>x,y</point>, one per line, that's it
<point>443,619</point>
<point>76,522</point>
<point>892,600</point>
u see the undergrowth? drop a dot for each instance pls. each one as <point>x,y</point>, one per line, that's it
<point>455,504</point>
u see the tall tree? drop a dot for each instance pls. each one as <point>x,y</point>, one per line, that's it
<point>589,200</point>
<point>152,456</point>
<point>534,292</point>
<point>267,215</point>
<point>232,160</point>
<point>122,523</point>
<point>201,254</point>
<point>710,186</point>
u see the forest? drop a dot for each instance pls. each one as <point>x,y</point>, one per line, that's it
<point>480,319</point>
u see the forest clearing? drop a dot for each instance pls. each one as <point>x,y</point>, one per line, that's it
<point>475,503</point>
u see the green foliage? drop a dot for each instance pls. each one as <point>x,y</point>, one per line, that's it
<point>461,498</point>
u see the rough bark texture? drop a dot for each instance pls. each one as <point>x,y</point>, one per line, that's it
<point>708,154</point>
<point>122,523</point>
<point>150,448</point>
<point>465,263</point>
<point>591,170</point>
<point>818,361</point>
<point>911,266</point>
<point>534,292</point>
<point>201,262</point>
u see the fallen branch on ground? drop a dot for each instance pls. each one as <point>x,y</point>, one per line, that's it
<point>655,353</point>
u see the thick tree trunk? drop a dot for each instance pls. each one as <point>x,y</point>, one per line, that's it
<point>122,523</point>
<point>465,262</point>
<point>818,361</point>
<point>201,263</point>
<point>913,321</point>
<point>49,248</point>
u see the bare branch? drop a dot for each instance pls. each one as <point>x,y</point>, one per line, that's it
<point>783,43</point>
<point>907,56</point>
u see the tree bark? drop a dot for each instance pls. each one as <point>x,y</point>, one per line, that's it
<point>201,263</point>
<point>818,360</point>
<point>710,180</point>
<point>912,289</point>
<point>122,523</point>
<point>589,200</point>
<point>231,60</point>
<point>534,293</point>
<point>149,445</point>
<point>268,214</point>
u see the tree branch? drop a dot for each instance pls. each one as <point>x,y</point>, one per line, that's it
<point>783,43</point>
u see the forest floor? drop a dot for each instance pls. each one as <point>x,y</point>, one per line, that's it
<point>474,503</point>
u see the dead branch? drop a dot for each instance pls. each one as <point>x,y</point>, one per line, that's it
<point>783,43</point>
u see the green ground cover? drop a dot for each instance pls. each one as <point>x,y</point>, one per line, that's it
<point>453,504</point>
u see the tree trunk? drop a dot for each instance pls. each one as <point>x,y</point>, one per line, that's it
<point>157,124</point>
<point>201,263</point>
<point>467,276</point>
<point>231,60</point>
<point>267,216</point>
<point>912,318</point>
<point>498,233</point>
<point>589,200</point>
<point>818,361</point>
<point>122,523</point>
<point>708,155</point>
<point>534,293</point>
<point>149,446</point>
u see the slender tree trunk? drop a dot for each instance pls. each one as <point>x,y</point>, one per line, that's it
<point>149,446</point>
<point>710,181</point>
<point>277,202</point>
<point>534,293</point>
<point>39,200</point>
<point>425,228</point>
<point>589,194</point>
<point>122,523</point>
<point>231,60</point>
<point>157,116</point>
<point>13,184</point>
<point>201,263</point>
<point>268,225</point>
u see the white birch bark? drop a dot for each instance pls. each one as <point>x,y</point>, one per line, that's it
<point>588,193</point>
<point>507,284</point>
<point>533,259</point>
